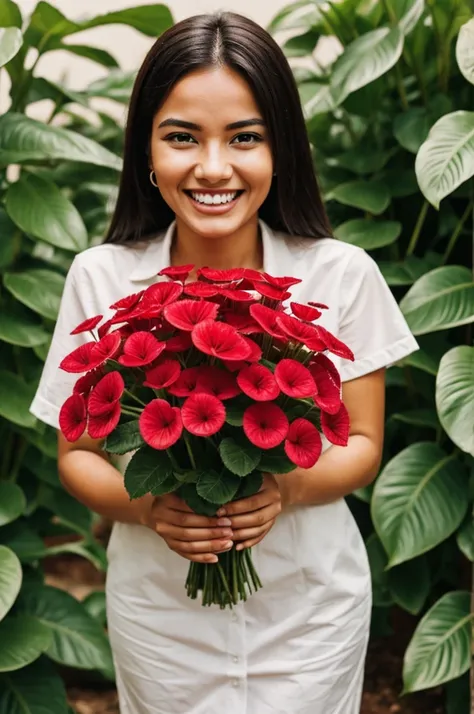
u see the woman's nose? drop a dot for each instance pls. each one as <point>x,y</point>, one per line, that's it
<point>213,166</point>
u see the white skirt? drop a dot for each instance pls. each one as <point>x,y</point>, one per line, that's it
<point>295,647</point>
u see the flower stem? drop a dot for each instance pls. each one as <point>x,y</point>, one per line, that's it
<point>189,450</point>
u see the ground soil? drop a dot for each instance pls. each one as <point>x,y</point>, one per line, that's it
<point>383,670</point>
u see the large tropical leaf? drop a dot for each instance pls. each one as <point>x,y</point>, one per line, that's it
<point>12,502</point>
<point>38,289</point>
<point>446,159</point>
<point>15,399</point>
<point>117,85</point>
<point>465,538</point>
<point>368,235</point>
<point>419,500</point>
<point>151,20</point>
<point>297,15</point>
<point>364,60</point>
<point>455,396</point>
<point>465,50</point>
<point>10,15</point>
<point>11,40</point>
<point>23,639</point>
<point>18,329</point>
<point>442,298</point>
<point>410,584</point>
<point>316,98</point>
<point>10,579</point>
<point>440,649</point>
<point>371,196</point>
<point>411,128</point>
<point>36,689</point>
<point>23,139</point>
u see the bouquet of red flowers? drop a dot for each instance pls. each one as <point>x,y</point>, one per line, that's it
<point>211,383</point>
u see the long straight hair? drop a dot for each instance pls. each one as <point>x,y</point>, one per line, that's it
<point>226,39</point>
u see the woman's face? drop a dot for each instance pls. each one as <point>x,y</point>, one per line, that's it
<point>211,154</point>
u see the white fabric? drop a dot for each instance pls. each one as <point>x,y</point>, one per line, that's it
<point>298,645</point>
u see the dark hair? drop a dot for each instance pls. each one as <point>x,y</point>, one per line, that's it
<point>294,203</point>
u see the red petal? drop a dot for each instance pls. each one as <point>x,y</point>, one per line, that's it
<point>297,330</point>
<point>328,397</point>
<point>126,303</point>
<point>140,349</point>
<point>333,344</point>
<point>267,319</point>
<point>244,322</point>
<point>335,427</point>
<point>101,426</point>
<point>258,382</point>
<point>104,328</point>
<point>329,366</point>
<point>106,394</point>
<point>179,343</point>
<point>107,347</point>
<point>237,295</point>
<point>222,384</point>
<point>305,312</point>
<point>265,424</point>
<point>84,384</point>
<point>160,424</point>
<point>319,305</point>
<point>87,325</point>
<point>271,292</point>
<point>203,414</point>
<point>303,445</point>
<point>186,382</point>
<point>281,282</point>
<point>221,276</point>
<point>255,350</point>
<point>185,314</point>
<point>177,272</point>
<point>163,374</point>
<point>219,340</point>
<point>80,360</point>
<point>294,379</point>
<point>73,417</point>
<point>198,289</point>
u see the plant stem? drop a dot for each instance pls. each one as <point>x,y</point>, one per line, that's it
<point>132,396</point>
<point>457,231</point>
<point>189,450</point>
<point>418,226</point>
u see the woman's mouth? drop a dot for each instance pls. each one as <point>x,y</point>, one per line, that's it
<point>211,202</point>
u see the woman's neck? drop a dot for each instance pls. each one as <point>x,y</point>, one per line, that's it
<point>242,249</point>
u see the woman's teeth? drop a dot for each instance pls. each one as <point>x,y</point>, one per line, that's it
<point>215,199</point>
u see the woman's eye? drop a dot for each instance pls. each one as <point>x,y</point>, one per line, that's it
<point>180,138</point>
<point>247,139</point>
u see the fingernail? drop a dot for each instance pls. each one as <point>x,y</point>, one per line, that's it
<point>221,512</point>
<point>224,522</point>
<point>239,547</point>
<point>229,544</point>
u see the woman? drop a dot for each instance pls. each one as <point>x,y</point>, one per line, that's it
<point>218,171</point>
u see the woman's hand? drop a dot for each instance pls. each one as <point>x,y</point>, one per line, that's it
<point>252,517</point>
<point>194,537</point>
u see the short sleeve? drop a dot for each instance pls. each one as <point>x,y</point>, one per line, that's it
<point>55,385</point>
<point>370,321</point>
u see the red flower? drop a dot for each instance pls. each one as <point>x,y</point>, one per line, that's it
<point>258,382</point>
<point>163,374</point>
<point>267,318</point>
<point>73,417</point>
<point>87,325</point>
<point>126,303</point>
<point>221,276</point>
<point>283,283</point>
<point>329,366</point>
<point>155,298</point>
<point>179,343</point>
<point>303,444</point>
<point>319,305</point>
<point>234,365</point>
<point>186,382</point>
<point>80,360</point>
<point>294,379</point>
<point>160,424</point>
<point>203,414</point>
<point>140,349</point>
<point>212,380</point>
<point>185,314</point>
<point>333,344</point>
<point>335,427</point>
<point>236,295</point>
<point>102,425</point>
<point>305,312</point>
<point>270,291</point>
<point>243,322</point>
<point>328,397</point>
<point>198,289</point>
<point>219,340</point>
<point>255,350</point>
<point>299,331</point>
<point>177,272</point>
<point>265,424</point>
<point>106,394</point>
<point>104,328</point>
<point>85,383</point>
<point>107,348</point>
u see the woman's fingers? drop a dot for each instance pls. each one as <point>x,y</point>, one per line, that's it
<point>199,547</point>
<point>193,534</point>
<point>254,519</point>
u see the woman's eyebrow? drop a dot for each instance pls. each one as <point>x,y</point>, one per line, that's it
<point>255,121</point>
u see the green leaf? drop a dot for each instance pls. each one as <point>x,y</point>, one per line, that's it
<point>17,329</point>
<point>12,502</point>
<point>23,639</point>
<point>411,128</point>
<point>370,56</point>
<point>149,471</point>
<point>10,239</point>
<point>66,509</point>
<point>95,605</point>
<point>440,649</point>
<point>446,159</point>
<point>275,461</point>
<point>465,50</point>
<point>400,182</point>
<point>458,695</point>
<point>422,360</point>
<point>10,15</point>
<point>302,45</point>
<point>116,85</point>
<point>316,98</point>
<point>23,140</point>
<point>41,88</point>
<point>92,53</point>
<point>187,492</point>
<point>379,575</point>
<point>419,500</point>
<point>408,12</point>
<point>368,235</point>
<point>250,485</point>
<point>465,538</point>
<point>10,579</point>
<point>124,438</point>
<point>11,40</point>
<point>77,639</point>
<point>418,417</point>
<point>410,584</point>
<point>15,399</point>
<point>151,20</point>
<point>23,540</point>
<point>47,24</point>
<point>407,272</point>
<point>455,396</point>
<point>38,289</point>
<point>240,458</point>
<point>217,487</point>
<point>362,159</point>
<point>371,196</point>
<point>40,209</point>
<point>36,689</point>
<point>296,15</point>
<point>442,298</point>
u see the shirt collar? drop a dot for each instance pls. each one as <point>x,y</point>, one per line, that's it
<point>157,254</point>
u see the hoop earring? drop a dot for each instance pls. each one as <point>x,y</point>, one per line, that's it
<point>153,179</point>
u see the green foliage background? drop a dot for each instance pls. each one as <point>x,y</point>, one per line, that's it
<point>392,133</point>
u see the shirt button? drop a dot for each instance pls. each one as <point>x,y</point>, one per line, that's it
<point>236,660</point>
<point>235,683</point>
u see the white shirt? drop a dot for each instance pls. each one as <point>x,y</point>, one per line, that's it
<point>298,645</point>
